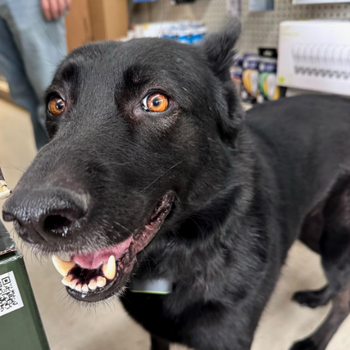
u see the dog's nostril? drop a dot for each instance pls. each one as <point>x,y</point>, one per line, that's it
<point>45,215</point>
<point>56,223</point>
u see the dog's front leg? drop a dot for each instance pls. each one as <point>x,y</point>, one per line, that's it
<point>159,343</point>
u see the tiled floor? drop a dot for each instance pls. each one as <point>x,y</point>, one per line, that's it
<point>70,326</point>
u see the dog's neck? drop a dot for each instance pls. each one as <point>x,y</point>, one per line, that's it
<point>222,224</point>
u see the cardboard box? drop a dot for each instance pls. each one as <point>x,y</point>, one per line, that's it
<point>20,324</point>
<point>78,24</point>
<point>109,19</point>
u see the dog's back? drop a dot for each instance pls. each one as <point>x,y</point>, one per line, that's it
<point>305,140</point>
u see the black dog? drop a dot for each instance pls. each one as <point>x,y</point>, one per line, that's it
<point>149,142</point>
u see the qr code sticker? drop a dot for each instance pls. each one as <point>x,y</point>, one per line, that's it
<point>10,298</point>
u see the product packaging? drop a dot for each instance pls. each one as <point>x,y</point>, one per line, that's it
<point>250,77</point>
<point>20,324</point>
<point>267,81</point>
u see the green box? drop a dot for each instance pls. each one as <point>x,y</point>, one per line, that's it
<point>20,324</point>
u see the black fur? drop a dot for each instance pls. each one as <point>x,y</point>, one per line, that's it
<point>245,190</point>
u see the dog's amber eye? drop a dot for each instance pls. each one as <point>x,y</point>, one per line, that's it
<point>56,106</point>
<point>155,103</point>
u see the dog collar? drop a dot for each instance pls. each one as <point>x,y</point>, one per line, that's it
<point>151,286</point>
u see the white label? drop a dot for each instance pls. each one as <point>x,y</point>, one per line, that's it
<point>10,298</point>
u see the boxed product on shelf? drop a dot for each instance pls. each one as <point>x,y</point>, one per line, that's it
<point>183,31</point>
<point>255,77</point>
<point>267,81</point>
<point>109,19</point>
<point>92,20</point>
<point>250,75</point>
<point>78,24</point>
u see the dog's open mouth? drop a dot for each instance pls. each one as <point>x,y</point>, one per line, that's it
<point>100,274</point>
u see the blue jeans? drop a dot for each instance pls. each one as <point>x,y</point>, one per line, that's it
<point>30,50</point>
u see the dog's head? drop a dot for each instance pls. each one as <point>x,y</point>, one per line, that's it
<point>140,135</point>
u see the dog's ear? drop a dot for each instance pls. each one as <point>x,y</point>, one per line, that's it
<point>218,46</point>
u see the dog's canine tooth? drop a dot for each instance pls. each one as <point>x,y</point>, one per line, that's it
<point>78,287</point>
<point>109,268</point>
<point>67,280</point>
<point>63,267</point>
<point>4,190</point>
<point>101,281</point>
<point>85,288</point>
<point>92,284</point>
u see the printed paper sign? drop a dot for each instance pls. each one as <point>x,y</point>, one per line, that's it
<point>10,298</point>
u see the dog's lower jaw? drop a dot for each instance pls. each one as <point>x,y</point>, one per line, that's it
<point>115,287</point>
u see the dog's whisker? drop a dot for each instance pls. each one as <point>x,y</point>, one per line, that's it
<point>11,166</point>
<point>146,259</point>
<point>122,226</point>
<point>159,177</point>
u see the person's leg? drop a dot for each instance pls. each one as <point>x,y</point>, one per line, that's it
<point>42,45</point>
<point>22,93</point>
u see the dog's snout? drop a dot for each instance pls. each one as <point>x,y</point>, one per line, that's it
<point>45,215</point>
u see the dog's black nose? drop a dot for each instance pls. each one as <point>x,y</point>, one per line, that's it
<point>45,215</point>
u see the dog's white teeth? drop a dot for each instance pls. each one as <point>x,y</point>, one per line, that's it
<point>63,267</point>
<point>67,281</point>
<point>93,284</point>
<point>109,268</point>
<point>101,282</point>
<point>73,283</point>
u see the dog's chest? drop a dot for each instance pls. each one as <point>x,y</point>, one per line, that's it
<point>156,313</point>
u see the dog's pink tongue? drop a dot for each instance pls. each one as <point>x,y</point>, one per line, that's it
<point>94,259</point>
